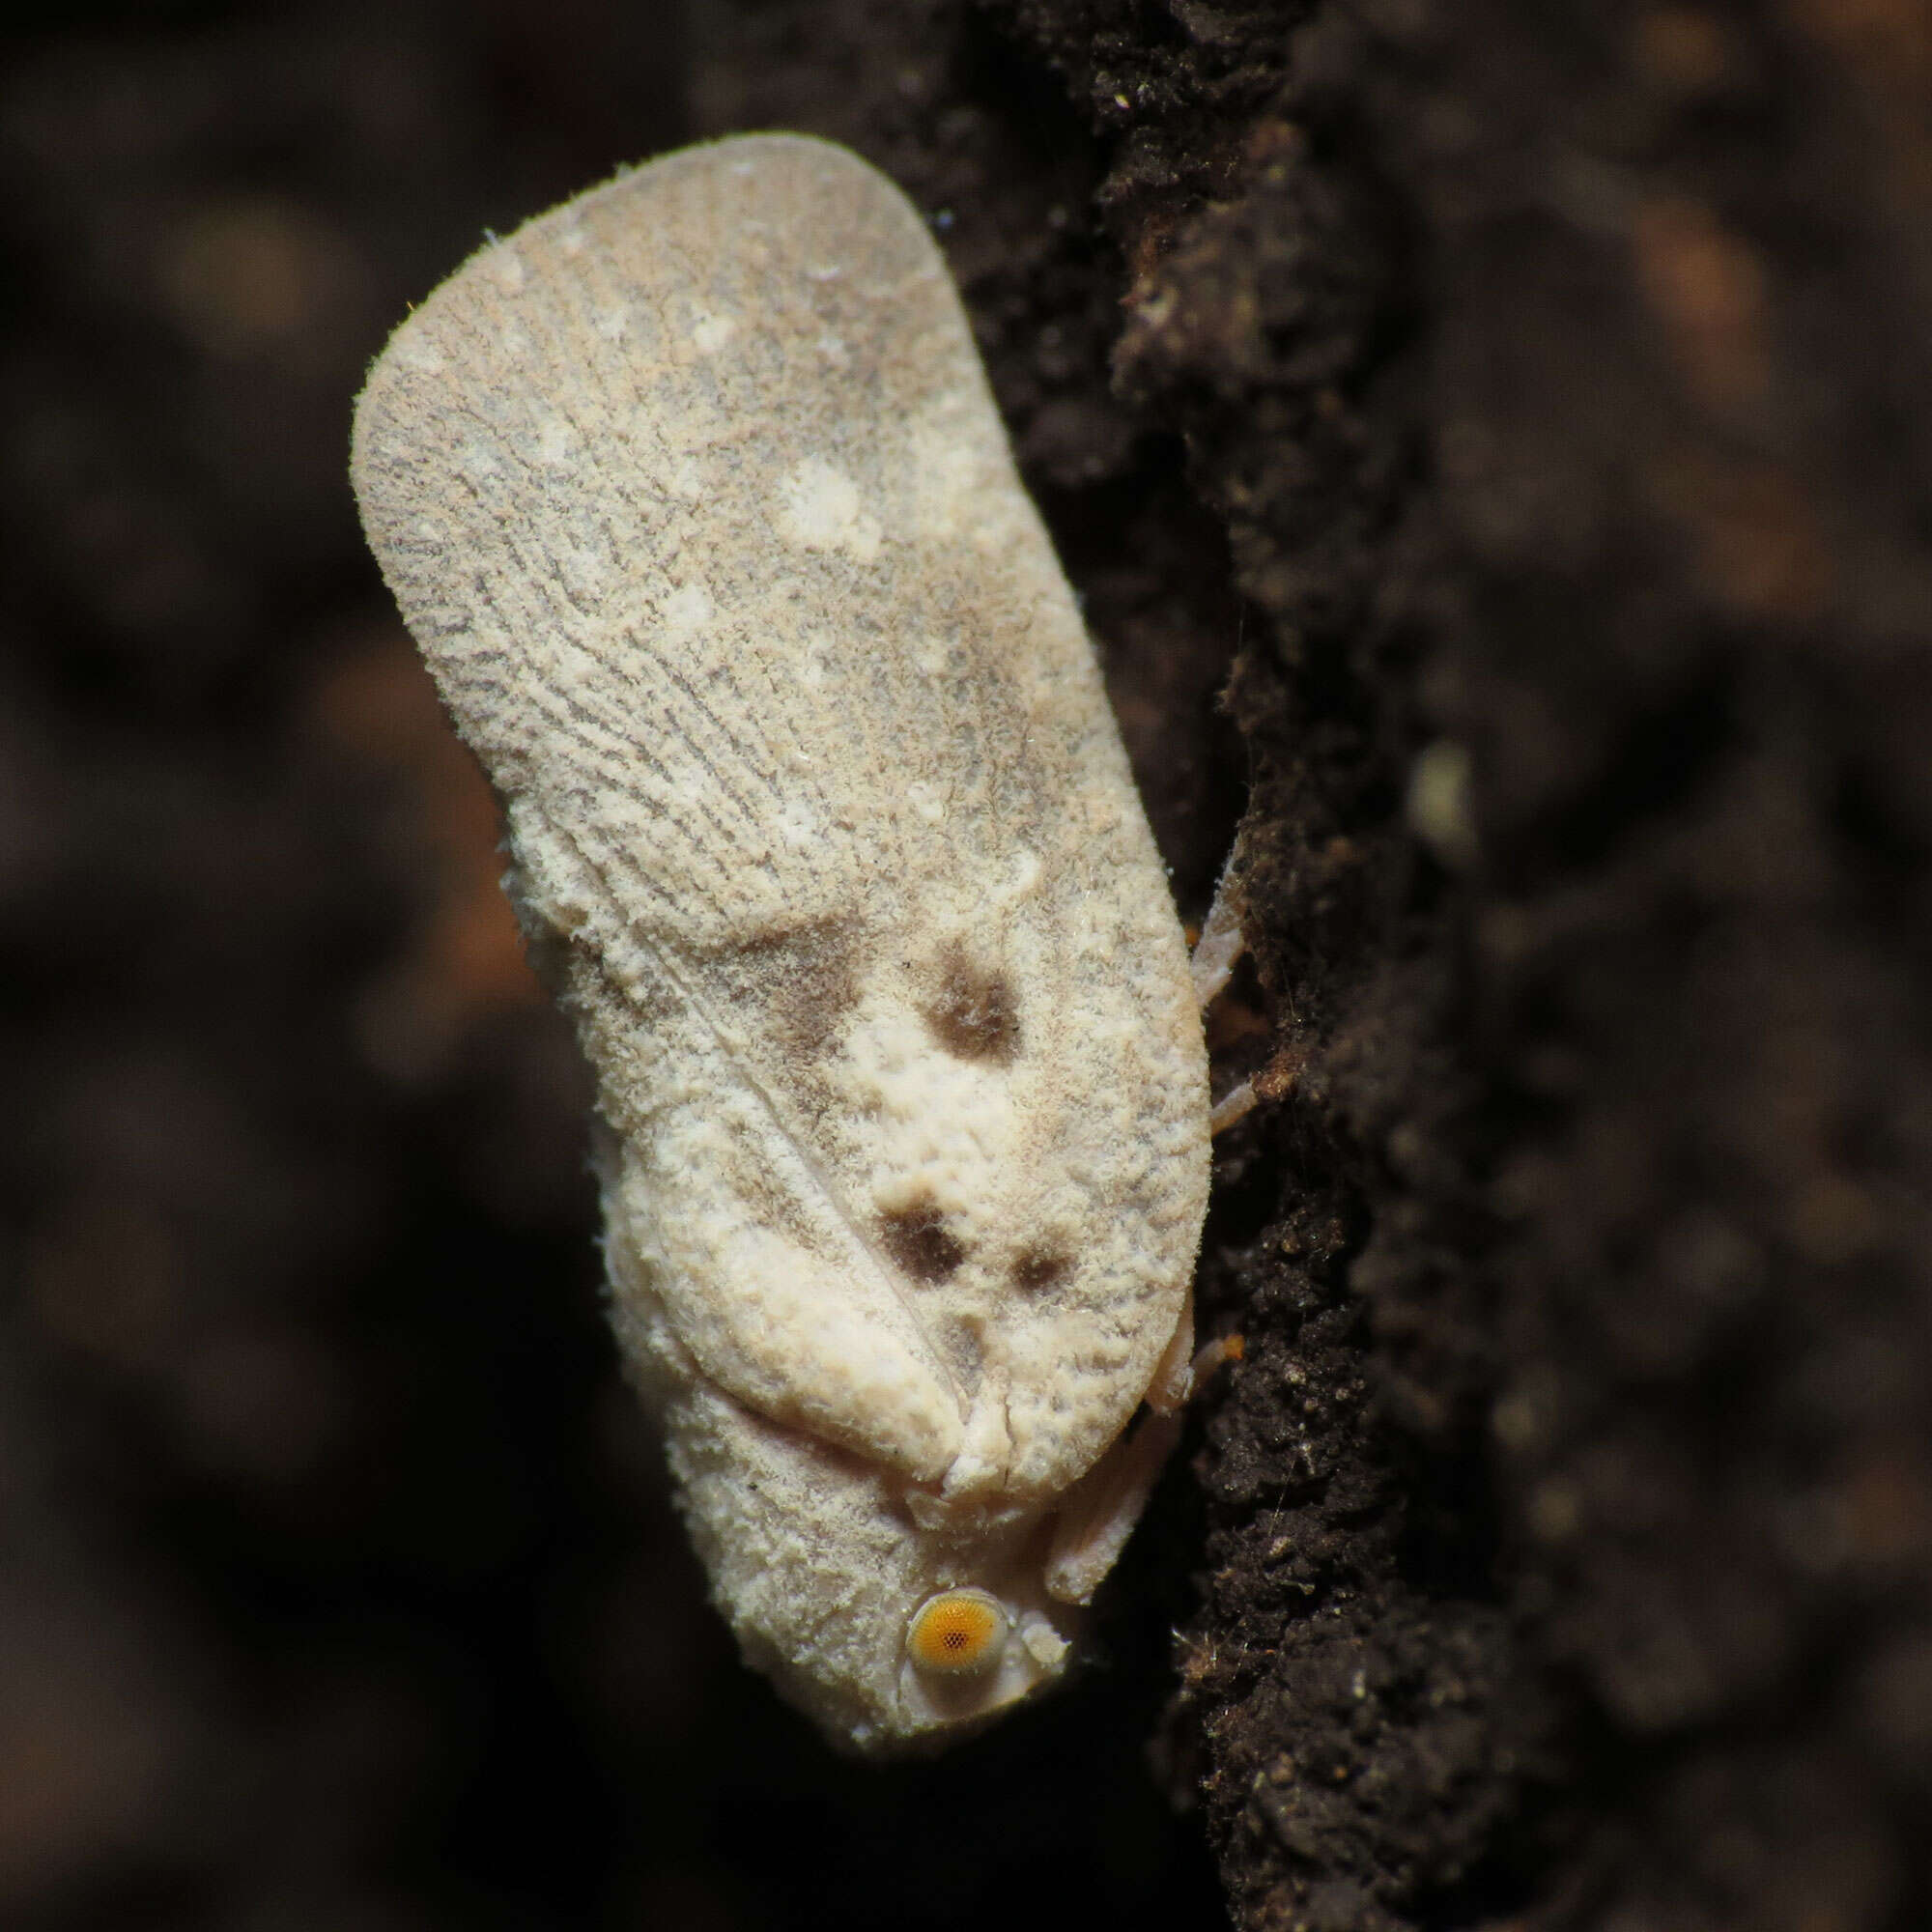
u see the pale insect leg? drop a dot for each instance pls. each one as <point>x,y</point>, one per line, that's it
<point>1236,1104</point>
<point>1174,1373</point>
<point>1212,961</point>
<point>1105,1505</point>
<point>1211,966</point>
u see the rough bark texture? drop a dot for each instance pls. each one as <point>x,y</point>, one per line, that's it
<point>1521,414</point>
<point>1561,378</point>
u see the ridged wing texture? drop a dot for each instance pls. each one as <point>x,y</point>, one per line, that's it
<point>694,498</point>
<point>643,478</point>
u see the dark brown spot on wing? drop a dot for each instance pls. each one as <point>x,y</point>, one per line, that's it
<point>804,979</point>
<point>1039,1268</point>
<point>916,1237</point>
<point>973,1014</point>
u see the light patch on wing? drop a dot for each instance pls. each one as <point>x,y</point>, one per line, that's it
<point>798,824</point>
<point>940,1134</point>
<point>687,612</point>
<point>689,792</point>
<point>1024,879</point>
<point>820,508</point>
<point>413,349</point>
<point>948,464</point>
<point>584,574</point>
<point>478,461</point>
<point>711,332</point>
<point>682,477</point>
<point>812,662</point>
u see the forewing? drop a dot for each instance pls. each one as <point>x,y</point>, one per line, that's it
<point>693,496</point>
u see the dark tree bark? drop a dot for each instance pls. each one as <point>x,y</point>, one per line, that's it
<point>1559,378</point>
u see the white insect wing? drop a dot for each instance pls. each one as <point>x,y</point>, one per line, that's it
<point>696,500</point>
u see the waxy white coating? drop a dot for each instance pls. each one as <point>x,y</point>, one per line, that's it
<point>695,497</point>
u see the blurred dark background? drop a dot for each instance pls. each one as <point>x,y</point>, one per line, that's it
<point>1492,443</point>
<point>340,1591</point>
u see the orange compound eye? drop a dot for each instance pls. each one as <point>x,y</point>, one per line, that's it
<point>957,1633</point>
